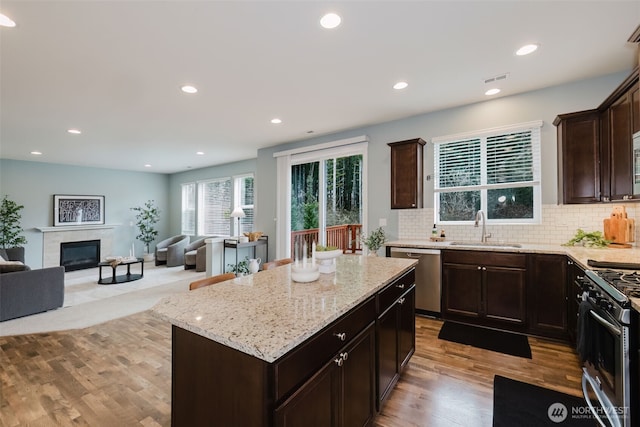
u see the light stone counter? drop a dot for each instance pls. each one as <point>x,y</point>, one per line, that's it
<point>267,314</point>
<point>578,253</point>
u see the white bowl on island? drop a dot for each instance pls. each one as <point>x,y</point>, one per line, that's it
<point>304,273</point>
<point>327,260</point>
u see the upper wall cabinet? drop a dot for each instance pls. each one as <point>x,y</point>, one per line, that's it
<point>406,174</point>
<point>595,148</point>
<point>578,157</point>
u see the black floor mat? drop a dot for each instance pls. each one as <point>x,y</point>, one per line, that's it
<point>526,405</point>
<point>489,339</point>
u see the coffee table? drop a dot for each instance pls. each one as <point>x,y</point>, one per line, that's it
<point>123,278</point>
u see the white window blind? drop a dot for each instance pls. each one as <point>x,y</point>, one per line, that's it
<point>189,209</point>
<point>214,207</point>
<point>497,171</point>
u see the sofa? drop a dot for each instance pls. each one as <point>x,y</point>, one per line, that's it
<point>24,291</point>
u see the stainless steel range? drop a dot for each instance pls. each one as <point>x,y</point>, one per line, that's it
<point>607,336</point>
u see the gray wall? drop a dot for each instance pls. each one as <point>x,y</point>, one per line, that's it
<point>543,105</point>
<point>33,185</point>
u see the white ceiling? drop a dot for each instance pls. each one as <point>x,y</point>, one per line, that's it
<point>114,69</point>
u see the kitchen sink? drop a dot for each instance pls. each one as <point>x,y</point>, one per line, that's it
<point>487,244</point>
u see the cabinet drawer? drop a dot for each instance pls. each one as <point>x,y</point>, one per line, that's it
<point>299,364</point>
<point>392,292</point>
<point>497,259</point>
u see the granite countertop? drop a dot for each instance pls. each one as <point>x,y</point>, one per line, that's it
<point>267,314</point>
<point>578,253</point>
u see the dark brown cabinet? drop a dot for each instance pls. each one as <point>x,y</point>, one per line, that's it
<point>595,148</point>
<point>396,336</point>
<point>407,174</point>
<point>547,295</point>
<point>487,288</point>
<point>341,393</point>
<point>578,157</point>
<point>620,146</point>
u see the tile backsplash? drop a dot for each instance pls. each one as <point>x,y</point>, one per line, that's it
<point>559,224</point>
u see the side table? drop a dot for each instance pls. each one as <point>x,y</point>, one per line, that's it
<point>233,243</point>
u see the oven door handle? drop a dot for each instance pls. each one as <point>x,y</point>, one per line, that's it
<point>615,422</point>
<point>610,326</point>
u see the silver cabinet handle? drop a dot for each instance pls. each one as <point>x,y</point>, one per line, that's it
<point>400,286</point>
<point>479,268</point>
<point>401,301</point>
<point>344,356</point>
<point>338,361</point>
<point>340,335</point>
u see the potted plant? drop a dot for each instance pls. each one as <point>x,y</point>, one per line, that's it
<point>241,268</point>
<point>147,217</point>
<point>10,230</point>
<point>375,241</point>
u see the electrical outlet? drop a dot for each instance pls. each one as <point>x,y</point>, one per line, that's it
<point>382,222</point>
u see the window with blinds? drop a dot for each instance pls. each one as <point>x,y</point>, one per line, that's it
<point>207,206</point>
<point>214,207</point>
<point>189,209</point>
<point>244,199</point>
<point>497,171</point>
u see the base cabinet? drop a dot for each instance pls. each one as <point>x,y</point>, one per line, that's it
<point>340,394</point>
<point>487,289</point>
<point>547,299</point>
<point>396,340</point>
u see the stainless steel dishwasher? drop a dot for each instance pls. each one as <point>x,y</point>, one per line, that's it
<point>427,277</point>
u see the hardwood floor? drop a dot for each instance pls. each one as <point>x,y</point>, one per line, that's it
<point>119,374</point>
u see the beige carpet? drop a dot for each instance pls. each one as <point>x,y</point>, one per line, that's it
<point>86,303</point>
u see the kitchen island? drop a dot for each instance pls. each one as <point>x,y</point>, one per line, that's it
<point>262,350</point>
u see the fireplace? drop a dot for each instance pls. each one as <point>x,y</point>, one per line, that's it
<point>79,255</point>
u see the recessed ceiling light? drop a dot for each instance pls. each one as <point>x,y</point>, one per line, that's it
<point>189,89</point>
<point>200,153</point>
<point>276,121</point>
<point>36,153</point>
<point>400,85</point>
<point>492,91</point>
<point>330,20</point>
<point>147,165</point>
<point>527,49</point>
<point>74,131</point>
<point>5,21</point>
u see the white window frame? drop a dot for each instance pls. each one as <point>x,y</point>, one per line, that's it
<point>189,210</point>
<point>535,127</point>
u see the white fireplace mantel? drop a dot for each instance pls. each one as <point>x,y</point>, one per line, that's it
<point>75,227</point>
<point>52,237</point>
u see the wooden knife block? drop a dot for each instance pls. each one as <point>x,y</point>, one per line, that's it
<point>618,228</point>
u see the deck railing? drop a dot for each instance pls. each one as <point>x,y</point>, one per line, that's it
<point>345,237</point>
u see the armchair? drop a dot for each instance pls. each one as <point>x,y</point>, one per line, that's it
<point>171,251</point>
<point>195,255</point>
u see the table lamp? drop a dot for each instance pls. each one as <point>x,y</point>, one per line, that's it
<point>238,213</point>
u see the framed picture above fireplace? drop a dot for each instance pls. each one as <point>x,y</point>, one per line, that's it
<point>77,210</point>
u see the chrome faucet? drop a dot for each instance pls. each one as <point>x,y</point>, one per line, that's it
<point>485,235</point>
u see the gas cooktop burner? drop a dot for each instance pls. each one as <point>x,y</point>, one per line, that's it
<point>627,283</point>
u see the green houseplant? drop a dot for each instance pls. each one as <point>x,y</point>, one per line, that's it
<point>147,217</point>
<point>241,268</point>
<point>11,238</point>
<point>375,240</point>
